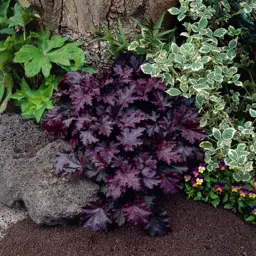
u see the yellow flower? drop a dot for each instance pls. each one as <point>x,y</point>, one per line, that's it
<point>187,178</point>
<point>231,167</point>
<point>252,195</point>
<point>201,169</point>
<point>199,181</point>
<point>234,189</point>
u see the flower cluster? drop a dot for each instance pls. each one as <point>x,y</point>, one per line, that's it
<point>220,188</point>
<point>195,178</point>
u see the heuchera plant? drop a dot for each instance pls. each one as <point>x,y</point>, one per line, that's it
<point>130,137</point>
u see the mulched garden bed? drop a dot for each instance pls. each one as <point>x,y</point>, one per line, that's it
<point>198,230</point>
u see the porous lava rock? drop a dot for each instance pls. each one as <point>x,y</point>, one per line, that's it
<point>27,175</point>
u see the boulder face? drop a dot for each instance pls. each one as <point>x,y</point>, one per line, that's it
<point>27,175</point>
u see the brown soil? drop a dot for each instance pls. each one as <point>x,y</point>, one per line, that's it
<point>198,230</point>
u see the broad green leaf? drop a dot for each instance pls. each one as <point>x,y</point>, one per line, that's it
<point>89,70</point>
<point>220,32</point>
<point>196,66</point>
<point>252,112</point>
<point>215,202</point>
<point>205,59</point>
<point>18,95</point>
<point>228,133</point>
<point>203,22</point>
<point>175,48</point>
<point>250,218</point>
<point>228,206</point>
<point>147,68</point>
<point>245,176</point>
<point>174,11</point>
<point>39,113</point>
<point>242,159</point>
<point>24,85</point>
<point>4,8</point>
<point>8,31</point>
<point>241,147</point>
<point>233,154</point>
<point>232,44</point>
<point>237,176</point>
<point>187,48</point>
<point>173,92</point>
<point>206,145</point>
<point>37,59</point>
<point>205,49</point>
<point>16,20</point>
<point>246,7</point>
<point>181,17</point>
<point>216,133</point>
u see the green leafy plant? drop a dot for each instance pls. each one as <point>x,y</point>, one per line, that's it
<point>211,65</point>
<point>31,60</point>
<point>33,103</point>
<point>152,35</point>
<point>48,51</point>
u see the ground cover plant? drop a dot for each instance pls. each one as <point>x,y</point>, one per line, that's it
<point>219,187</point>
<point>130,137</point>
<point>32,61</point>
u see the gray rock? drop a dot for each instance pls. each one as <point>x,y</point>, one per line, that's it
<point>27,175</point>
<point>9,217</point>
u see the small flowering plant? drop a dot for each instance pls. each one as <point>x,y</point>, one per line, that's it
<point>220,187</point>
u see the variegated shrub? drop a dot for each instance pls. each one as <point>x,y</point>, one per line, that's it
<point>207,66</point>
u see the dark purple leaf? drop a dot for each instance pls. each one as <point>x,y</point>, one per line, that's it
<point>128,95</point>
<point>118,217</point>
<point>52,122</point>
<point>154,84</point>
<point>67,163</point>
<point>124,74</point>
<point>137,213</point>
<point>104,126</point>
<point>145,160</point>
<point>189,122</point>
<point>158,224</point>
<point>88,138</point>
<point>154,127</point>
<point>170,183</point>
<point>131,119</point>
<point>168,153</point>
<point>161,101</point>
<point>130,138</point>
<point>150,201</point>
<point>107,153</point>
<point>149,178</point>
<point>127,177</point>
<point>96,217</point>
<point>186,151</point>
<point>80,98</point>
